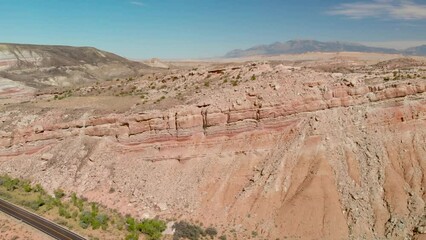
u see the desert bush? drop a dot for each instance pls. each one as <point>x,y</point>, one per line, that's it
<point>59,193</point>
<point>185,230</point>
<point>9,183</point>
<point>100,220</point>
<point>63,212</point>
<point>131,224</point>
<point>151,227</point>
<point>36,204</point>
<point>85,219</point>
<point>211,231</point>
<point>93,218</point>
<point>26,186</point>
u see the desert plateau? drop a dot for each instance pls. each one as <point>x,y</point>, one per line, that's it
<point>310,146</point>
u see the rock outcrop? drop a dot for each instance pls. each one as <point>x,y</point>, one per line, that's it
<point>338,160</point>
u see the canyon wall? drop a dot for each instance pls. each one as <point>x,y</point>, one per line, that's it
<point>349,162</point>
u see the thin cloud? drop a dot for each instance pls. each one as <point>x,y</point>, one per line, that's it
<point>387,9</point>
<point>139,4</point>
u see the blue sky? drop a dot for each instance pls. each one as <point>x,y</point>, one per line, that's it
<point>208,28</point>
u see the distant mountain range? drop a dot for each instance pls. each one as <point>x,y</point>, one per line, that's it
<point>417,51</point>
<point>304,46</point>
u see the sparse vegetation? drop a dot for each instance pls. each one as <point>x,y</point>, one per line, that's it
<point>59,193</point>
<point>152,228</point>
<point>76,212</point>
<point>63,95</point>
<point>211,231</point>
<point>186,230</point>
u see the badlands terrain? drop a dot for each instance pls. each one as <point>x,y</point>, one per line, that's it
<point>307,146</point>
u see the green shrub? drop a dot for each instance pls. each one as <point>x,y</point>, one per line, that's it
<point>35,205</point>
<point>185,230</point>
<point>59,193</point>
<point>100,220</point>
<point>152,227</point>
<point>85,219</point>
<point>56,202</point>
<point>9,183</point>
<point>83,225</point>
<point>26,186</point>
<point>131,224</point>
<point>63,212</point>
<point>95,209</point>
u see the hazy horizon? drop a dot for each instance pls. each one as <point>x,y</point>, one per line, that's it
<point>142,29</point>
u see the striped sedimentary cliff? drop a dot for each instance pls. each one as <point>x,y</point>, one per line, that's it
<point>348,162</point>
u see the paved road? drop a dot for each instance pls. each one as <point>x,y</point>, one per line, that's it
<point>38,222</point>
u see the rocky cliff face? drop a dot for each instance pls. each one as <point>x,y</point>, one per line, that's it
<point>287,152</point>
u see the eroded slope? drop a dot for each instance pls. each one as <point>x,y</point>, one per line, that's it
<point>261,150</point>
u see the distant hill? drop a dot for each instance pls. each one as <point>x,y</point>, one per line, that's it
<point>39,65</point>
<point>304,46</point>
<point>416,51</point>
